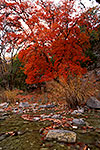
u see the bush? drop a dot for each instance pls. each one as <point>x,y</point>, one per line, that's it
<point>73,92</point>
<point>9,96</point>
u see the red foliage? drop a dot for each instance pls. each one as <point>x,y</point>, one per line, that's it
<point>59,44</point>
<point>54,44</point>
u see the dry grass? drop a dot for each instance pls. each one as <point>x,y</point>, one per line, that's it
<point>8,95</point>
<point>73,92</point>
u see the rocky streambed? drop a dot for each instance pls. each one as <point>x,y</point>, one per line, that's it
<point>49,127</point>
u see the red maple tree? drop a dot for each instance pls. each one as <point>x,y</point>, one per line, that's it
<point>50,38</point>
<point>58,43</point>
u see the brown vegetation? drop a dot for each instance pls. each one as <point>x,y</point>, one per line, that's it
<point>74,92</point>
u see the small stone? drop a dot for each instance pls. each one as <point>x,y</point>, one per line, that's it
<point>5,114</point>
<point>36,118</point>
<point>54,142</point>
<point>1,148</point>
<point>24,104</point>
<point>1,110</point>
<point>56,116</point>
<point>42,106</point>
<point>20,132</point>
<point>47,106</point>
<point>43,145</point>
<point>77,146</point>
<point>4,105</point>
<point>3,117</point>
<point>75,127</point>
<point>3,136</point>
<point>79,111</point>
<point>62,145</point>
<point>78,121</point>
<point>45,116</point>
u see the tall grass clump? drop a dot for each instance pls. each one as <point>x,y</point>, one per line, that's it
<point>73,92</point>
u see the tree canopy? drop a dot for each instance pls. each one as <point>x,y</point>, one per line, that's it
<point>52,39</point>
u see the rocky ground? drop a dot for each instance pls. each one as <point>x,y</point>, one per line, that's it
<point>33,126</point>
<point>28,124</point>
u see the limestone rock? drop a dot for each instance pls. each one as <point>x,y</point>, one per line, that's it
<point>93,103</point>
<point>78,122</point>
<point>4,105</point>
<point>47,106</point>
<point>24,104</point>
<point>61,136</point>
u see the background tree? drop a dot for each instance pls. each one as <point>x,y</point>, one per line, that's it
<point>13,34</point>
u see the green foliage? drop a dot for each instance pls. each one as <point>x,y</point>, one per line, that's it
<point>94,40</point>
<point>94,36</point>
<point>18,74</point>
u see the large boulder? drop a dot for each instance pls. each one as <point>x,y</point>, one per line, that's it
<point>93,103</point>
<point>61,136</point>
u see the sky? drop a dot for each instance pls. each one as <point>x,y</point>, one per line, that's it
<point>87,3</point>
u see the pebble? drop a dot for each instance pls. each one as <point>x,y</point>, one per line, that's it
<point>54,142</point>
<point>43,145</point>
<point>77,146</point>
<point>36,118</point>
<point>5,114</point>
<point>4,105</point>
<point>3,117</point>
<point>75,127</point>
<point>45,116</point>
<point>1,110</point>
<point>56,116</point>
<point>3,136</point>
<point>47,106</point>
<point>79,111</point>
<point>62,145</point>
<point>16,103</point>
<point>24,104</point>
